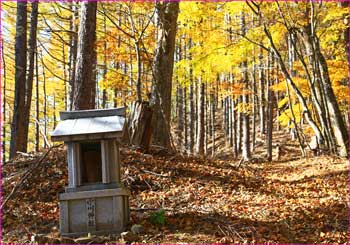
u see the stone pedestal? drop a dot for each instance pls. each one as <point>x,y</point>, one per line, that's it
<point>95,212</point>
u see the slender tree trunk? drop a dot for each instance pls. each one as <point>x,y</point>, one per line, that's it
<point>270,99</point>
<point>185,117</point>
<point>4,88</point>
<point>167,13</point>
<point>139,71</point>
<point>289,80</point>
<point>73,27</point>
<point>239,128</point>
<point>235,129</point>
<point>54,111</point>
<point>18,142</point>
<point>104,91</point>
<point>254,104</point>
<point>180,119</point>
<point>192,117</point>
<point>45,100</point>
<point>85,81</point>
<point>200,121</point>
<point>37,128</point>
<point>30,77</point>
<point>261,92</point>
<point>335,116</point>
<point>213,108</point>
<point>246,153</point>
<point>65,78</point>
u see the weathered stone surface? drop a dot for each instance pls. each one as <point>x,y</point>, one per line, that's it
<point>97,212</point>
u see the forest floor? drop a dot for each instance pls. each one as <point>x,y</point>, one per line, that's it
<point>293,200</point>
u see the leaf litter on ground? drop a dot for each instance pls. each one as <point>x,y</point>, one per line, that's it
<point>204,200</point>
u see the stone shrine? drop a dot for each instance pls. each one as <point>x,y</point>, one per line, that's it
<point>94,201</point>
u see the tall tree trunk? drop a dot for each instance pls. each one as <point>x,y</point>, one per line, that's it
<point>185,118</point>
<point>180,119</point>
<point>246,154</point>
<point>104,91</point>
<point>167,13</point>
<point>213,105</point>
<point>254,103</point>
<point>54,111</point>
<point>192,117</point>
<point>139,71</point>
<point>4,119</point>
<point>200,121</point>
<point>261,92</point>
<point>30,77</point>
<point>335,116</point>
<point>270,99</point>
<point>73,46</point>
<point>37,107</point>
<point>18,142</point>
<point>45,98</point>
<point>85,81</point>
<point>289,80</point>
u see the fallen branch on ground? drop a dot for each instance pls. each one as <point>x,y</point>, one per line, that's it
<point>26,175</point>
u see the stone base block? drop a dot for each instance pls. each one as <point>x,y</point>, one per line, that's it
<point>95,212</point>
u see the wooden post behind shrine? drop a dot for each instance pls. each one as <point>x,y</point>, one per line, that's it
<point>139,125</point>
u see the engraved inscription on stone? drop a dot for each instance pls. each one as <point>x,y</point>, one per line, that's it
<point>90,211</point>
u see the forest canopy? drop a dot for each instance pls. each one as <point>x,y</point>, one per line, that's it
<point>239,53</point>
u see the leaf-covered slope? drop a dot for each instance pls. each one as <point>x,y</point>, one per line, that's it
<point>297,201</point>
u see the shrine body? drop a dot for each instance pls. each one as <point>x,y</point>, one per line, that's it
<point>95,201</point>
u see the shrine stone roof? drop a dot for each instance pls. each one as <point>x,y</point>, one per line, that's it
<point>89,125</point>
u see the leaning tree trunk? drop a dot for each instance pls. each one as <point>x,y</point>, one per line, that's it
<point>289,80</point>
<point>85,81</point>
<point>18,142</point>
<point>167,13</point>
<point>337,121</point>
